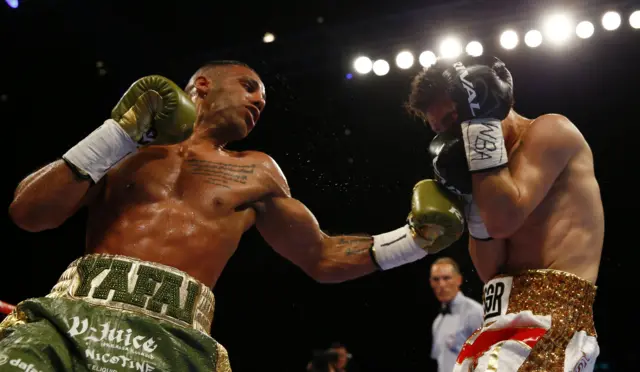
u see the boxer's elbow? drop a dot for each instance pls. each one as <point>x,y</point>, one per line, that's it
<point>320,278</point>
<point>322,272</point>
<point>32,220</point>
<point>326,278</point>
<point>24,222</point>
<point>330,271</point>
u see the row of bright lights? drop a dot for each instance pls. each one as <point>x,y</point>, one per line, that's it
<point>557,29</point>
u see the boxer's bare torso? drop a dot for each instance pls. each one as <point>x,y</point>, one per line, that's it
<point>181,205</point>
<point>564,232</point>
<point>188,204</point>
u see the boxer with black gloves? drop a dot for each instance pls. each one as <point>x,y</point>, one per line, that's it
<point>168,204</point>
<point>534,212</point>
<point>450,170</point>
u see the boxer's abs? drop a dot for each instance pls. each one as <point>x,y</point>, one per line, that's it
<point>566,231</point>
<point>175,211</point>
<point>169,234</point>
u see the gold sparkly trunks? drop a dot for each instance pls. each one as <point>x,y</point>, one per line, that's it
<point>566,298</point>
<point>146,288</point>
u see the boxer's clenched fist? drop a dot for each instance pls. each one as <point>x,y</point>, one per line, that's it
<point>435,216</point>
<point>451,171</point>
<point>450,163</point>
<point>153,110</point>
<point>434,223</point>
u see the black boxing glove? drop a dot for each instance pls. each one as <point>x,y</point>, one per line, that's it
<point>450,163</point>
<point>450,169</point>
<point>483,93</point>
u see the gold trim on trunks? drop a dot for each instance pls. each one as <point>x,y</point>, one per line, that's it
<point>567,298</point>
<point>138,286</point>
<point>222,362</point>
<point>494,357</point>
<point>15,317</point>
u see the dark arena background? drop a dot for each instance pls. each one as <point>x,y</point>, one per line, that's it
<point>337,127</point>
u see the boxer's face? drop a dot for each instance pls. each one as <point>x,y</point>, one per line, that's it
<point>441,114</point>
<point>445,282</point>
<point>232,97</point>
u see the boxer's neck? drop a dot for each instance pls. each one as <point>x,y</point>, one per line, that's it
<point>513,128</point>
<point>215,134</point>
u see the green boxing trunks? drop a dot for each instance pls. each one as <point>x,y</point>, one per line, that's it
<point>114,313</point>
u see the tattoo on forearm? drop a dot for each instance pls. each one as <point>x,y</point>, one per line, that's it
<point>355,245</point>
<point>221,174</point>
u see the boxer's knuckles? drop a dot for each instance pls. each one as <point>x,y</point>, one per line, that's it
<point>155,110</point>
<point>435,216</point>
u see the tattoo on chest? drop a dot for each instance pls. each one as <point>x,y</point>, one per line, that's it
<point>355,245</point>
<point>221,174</point>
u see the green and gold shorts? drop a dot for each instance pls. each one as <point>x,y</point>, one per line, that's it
<point>114,313</point>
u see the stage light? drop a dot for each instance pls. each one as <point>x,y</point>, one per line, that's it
<point>634,19</point>
<point>584,29</point>
<point>404,60</point>
<point>268,37</point>
<point>450,48</point>
<point>611,21</point>
<point>427,58</point>
<point>474,48</point>
<point>362,65</point>
<point>533,38</point>
<point>13,3</point>
<point>509,39</point>
<point>381,67</point>
<point>558,28</point>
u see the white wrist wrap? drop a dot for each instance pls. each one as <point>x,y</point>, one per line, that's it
<point>397,247</point>
<point>477,229</point>
<point>101,150</point>
<point>484,144</point>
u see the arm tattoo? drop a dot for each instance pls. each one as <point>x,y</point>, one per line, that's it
<point>221,174</point>
<point>355,245</point>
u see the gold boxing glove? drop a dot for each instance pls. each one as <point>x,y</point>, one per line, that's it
<point>153,110</point>
<point>434,223</point>
<point>435,216</point>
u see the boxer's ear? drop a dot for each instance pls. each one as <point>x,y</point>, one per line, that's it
<point>202,86</point>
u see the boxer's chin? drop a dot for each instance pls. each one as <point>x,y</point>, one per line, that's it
<point>237,128</point>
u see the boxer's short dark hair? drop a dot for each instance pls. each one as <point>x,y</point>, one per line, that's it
<point>432,82</point>
<point>213,64</point>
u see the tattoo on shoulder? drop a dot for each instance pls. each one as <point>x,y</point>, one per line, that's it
<point>221,174</point>
<point>355,245</point>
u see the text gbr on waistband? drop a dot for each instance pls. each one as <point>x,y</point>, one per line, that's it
<point>496,297</point>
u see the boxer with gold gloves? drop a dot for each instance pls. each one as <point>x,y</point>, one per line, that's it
<point>168,204</point>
